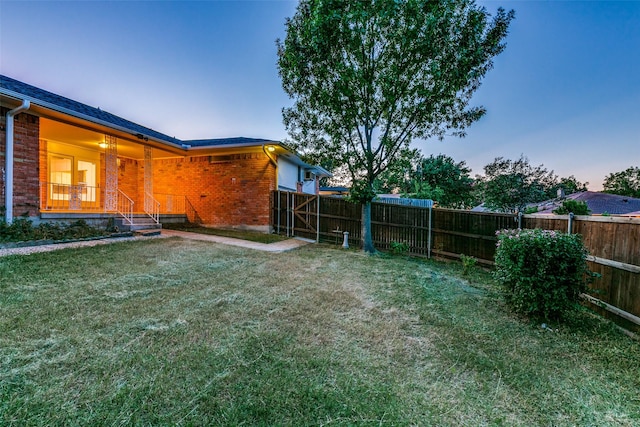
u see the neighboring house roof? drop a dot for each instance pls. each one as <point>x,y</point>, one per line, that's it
<point>336,190</point>
<point>598,203</point>
<point>480,208</point>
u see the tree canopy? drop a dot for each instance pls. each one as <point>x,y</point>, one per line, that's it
<point>368,77</point>
<point>435,177</point>
<point>570,185</point>
<point>509,185</point>
<point>577,207</point>
<point>624,183</point>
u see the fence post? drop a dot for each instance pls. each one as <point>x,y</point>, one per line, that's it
<point>429,235</point>
<point>279,212</point>
<point>293,214</point>
<point>570,223</point>
<point>287,213</point>
<point>318,219</point>
<point>519,220</point>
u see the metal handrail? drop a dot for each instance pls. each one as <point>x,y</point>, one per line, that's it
<point>171,203</point>
<point>125,206</point>
<point>191,212</point>
<point>152,207</point>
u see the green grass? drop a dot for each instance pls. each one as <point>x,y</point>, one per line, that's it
<point>253,236</point>
<point>175,332</point>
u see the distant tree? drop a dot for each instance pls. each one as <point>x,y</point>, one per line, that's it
<point>508,185</point>
<point>625,183</point>
<point>570,185</point>
<point>577,207</point>
<point>367,77</point>
<point>439,178</point>
<point>423,190</point>
<point>395,179</point>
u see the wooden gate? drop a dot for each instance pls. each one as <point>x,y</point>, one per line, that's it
<point>296,214</point>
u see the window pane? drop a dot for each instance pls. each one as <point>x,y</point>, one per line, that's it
<point>60,177</point>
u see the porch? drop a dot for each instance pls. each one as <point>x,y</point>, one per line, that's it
<point>92,175</point>
<point>65,202</point>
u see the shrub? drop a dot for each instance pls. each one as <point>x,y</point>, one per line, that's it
<point>468,262</point>
<point>578,207</point>
<point>399,248</point>
<point>22,229</point>
<point>19,229</point>
<point>542,272</point>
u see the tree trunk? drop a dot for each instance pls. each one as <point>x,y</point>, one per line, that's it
<point>367,238</point>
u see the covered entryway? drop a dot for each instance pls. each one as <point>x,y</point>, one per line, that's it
<point>84,171</point>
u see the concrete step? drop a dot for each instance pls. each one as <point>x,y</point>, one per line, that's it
<point>144,226</point>
<point>148,233</point>
<point>140,222</point>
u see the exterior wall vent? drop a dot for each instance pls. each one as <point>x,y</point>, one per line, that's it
<point>219,159</point>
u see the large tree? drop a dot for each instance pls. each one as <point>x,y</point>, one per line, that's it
<point>367,77</point>
<point>509,185</point>
<point>624,183</point>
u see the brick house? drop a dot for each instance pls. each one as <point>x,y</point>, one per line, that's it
<point>62,160</point>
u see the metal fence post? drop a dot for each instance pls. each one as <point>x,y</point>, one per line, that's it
<point>570,223</point>
<point>429,235</point>
<point>519,220</point>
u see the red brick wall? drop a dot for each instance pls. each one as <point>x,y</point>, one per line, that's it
<point>26,151</point>
<point>225,194</point>
<point>130,182</point>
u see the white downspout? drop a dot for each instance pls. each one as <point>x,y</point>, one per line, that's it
<point>8,181</point>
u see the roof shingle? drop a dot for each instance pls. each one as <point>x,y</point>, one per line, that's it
<point>36,94</point>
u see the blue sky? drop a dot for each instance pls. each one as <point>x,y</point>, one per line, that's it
<point>565,93</point>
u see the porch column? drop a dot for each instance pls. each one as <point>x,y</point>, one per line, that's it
<point>111,172</point>
<point>148,180</point>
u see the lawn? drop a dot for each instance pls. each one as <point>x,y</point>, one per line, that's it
<point>176,332</point>
<point>253,236</point>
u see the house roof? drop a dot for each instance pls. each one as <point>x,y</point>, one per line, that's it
<point>216,142</point>
<point>17,90</point>
<point>43,98</point>
<point>598,203</point>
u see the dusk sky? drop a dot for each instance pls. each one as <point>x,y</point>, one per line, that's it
<point>565,92</point>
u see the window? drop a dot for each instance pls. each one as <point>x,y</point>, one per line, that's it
<point>71,178</point>
<point>60,176</point>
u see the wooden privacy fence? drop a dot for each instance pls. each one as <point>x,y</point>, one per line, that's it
<point>614,253</point>
<point>613,242</point>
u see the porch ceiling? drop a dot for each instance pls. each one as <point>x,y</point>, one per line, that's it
<point>65,133</point>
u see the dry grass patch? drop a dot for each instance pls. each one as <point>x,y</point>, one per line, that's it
<point>180,332</point>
